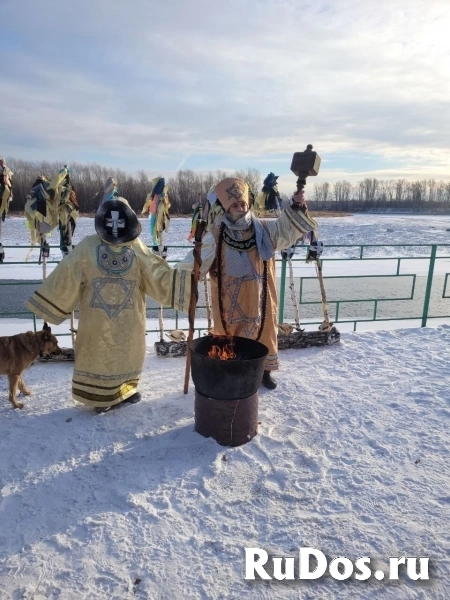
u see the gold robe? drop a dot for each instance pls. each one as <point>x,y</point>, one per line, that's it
<point>5,190</point>
<point>109,282</point>
<point>242,280</point>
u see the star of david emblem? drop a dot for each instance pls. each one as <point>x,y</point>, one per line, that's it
<point>234,192</point>
<point>112,309</point>
<point>236,314</point>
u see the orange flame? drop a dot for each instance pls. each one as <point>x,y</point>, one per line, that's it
<point>225,352</point>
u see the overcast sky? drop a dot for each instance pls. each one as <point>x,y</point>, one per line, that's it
<point>208,84</point>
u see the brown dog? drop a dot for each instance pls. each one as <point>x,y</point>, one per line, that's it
<point>18,352</point>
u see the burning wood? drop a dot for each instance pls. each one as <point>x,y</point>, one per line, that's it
<point>223,352</point>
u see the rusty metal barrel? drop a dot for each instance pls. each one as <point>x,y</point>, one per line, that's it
<point>226,391</point>
<point>229,422</point>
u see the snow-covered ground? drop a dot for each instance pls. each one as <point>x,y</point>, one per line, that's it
<point>351,458</point>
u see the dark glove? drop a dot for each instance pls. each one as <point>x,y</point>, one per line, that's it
<point>315,250</point>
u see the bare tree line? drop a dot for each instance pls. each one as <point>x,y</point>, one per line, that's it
<point>427,195</point>
<point>184,187</point>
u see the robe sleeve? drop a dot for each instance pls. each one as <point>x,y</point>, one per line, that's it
<point>170,287</point>
<point>208,254</point>
<point>290,227</point>
<point>58,295</point>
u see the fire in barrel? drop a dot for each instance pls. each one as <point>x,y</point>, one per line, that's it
<point>227,373</point>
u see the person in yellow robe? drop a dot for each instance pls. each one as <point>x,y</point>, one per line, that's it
<point>239,254</point>
<point>108,275</point>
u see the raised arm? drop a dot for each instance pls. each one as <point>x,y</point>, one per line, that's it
<point>292,225</point>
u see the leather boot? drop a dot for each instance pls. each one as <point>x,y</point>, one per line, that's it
<point>268,381</point>
<point>134,399</point>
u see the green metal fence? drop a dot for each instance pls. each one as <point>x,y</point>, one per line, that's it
<point>432,284</point>
<point>398,295</point>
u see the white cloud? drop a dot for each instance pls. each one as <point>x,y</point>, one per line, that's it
<point>246,81</point>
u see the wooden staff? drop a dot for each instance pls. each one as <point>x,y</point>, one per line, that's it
<point>195,276</point>
<point>208,305</point>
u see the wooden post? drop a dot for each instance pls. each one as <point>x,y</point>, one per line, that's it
<point>44,257</point>
<point>293,294</point>
<point>160,311</point>
<point>326,325</point>
<point>72,329</point>
<point>2,252</point>
<point>72,315</point>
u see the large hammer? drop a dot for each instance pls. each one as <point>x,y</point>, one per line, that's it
<point>304,164</point>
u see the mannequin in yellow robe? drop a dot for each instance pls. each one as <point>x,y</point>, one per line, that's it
<point>108,275</point>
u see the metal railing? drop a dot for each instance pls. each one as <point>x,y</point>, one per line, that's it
<point>431,283</point>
